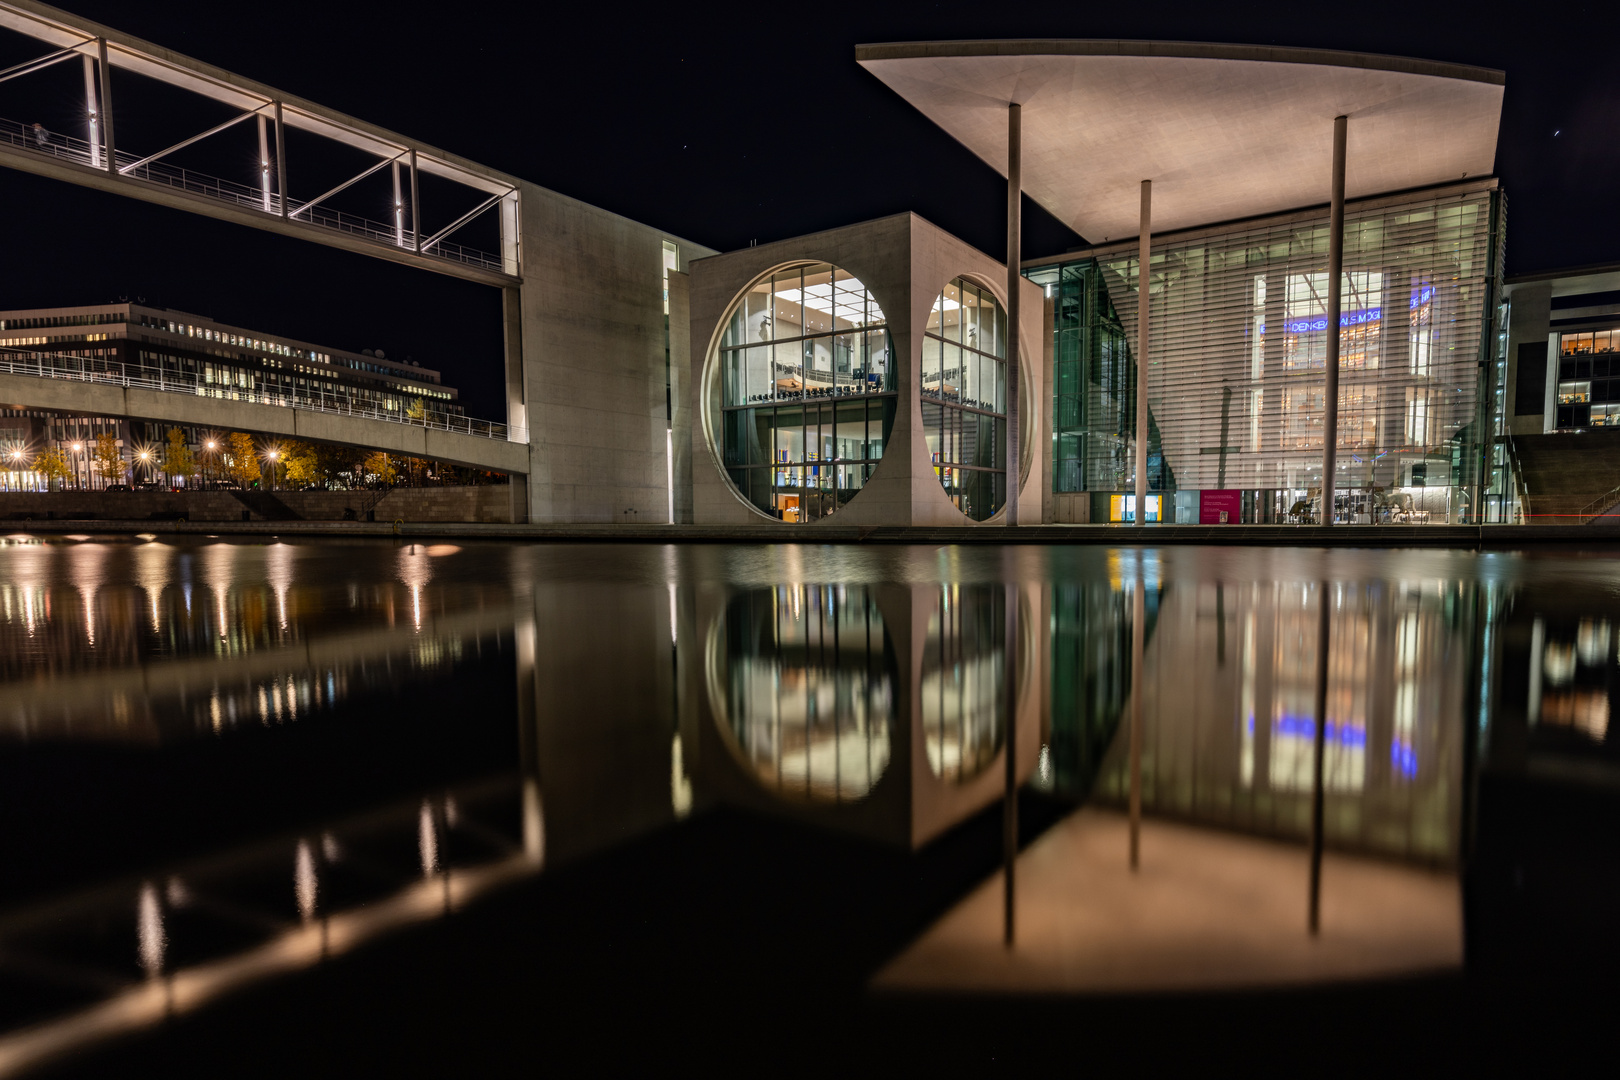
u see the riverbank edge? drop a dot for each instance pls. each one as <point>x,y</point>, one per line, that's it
<point>1352,536</point>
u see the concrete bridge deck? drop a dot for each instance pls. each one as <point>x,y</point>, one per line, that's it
<point>110,398</point>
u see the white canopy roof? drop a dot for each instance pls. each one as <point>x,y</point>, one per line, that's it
<point>1223,131</point>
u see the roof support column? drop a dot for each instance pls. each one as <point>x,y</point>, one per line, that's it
<point>94,137</point>
<point>110,160</point>
<point>1144,258</point>
<point>1335,302</point>
<point>1015,258</point>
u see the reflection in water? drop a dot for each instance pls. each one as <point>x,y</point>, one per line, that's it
<point>803,680</point>
<point>1577,678</point>
<point>103,640</point>
<point>1234,744</point>
<point>962,693</point>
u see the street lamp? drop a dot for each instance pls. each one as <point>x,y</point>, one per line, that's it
<point>212,445</point>
<point>78,482</point>
<point>146,459</point>
<point>271,454</point>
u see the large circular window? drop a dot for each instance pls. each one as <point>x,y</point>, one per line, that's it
<point>807,391</point>
<point>964,397</point>
<point>802,680</point>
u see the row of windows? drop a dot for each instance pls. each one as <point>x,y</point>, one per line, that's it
<point>45,321</point>
<point>1579,393</point>
<point>1589,342</point>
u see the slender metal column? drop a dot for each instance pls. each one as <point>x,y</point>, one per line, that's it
<point>399,208</point>
<point>1015,258</point>
<point>1324,619</point>
<point>111,161</point>
<point>1144,256</point>
<point>264,164</point>
<point>281,163</point>
<point>1138,691</point>
<point>1009,808</point>
<point>92,111</point>
<point>1335,302</point>
<point>416,208</point>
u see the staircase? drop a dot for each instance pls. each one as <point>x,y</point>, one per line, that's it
<point>1571,478</point>
<point>266,507</point>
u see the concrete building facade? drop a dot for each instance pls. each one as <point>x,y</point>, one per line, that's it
<point>907,268</point>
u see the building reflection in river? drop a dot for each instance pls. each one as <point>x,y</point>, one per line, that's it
<point>804,687</point>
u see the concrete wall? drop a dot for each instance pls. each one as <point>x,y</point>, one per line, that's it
<point>488,503</point>
<point>1528,325</point>
<point>592,332</point>
<point>905,262</point>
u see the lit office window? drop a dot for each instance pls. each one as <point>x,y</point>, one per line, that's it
<point>807,391</point>
<point>964,397</point>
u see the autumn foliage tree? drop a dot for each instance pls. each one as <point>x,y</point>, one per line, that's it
<point>178,460</point>
<point>108,459</point>
<point>241,459</point>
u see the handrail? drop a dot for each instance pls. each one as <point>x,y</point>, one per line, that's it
<point>51,365</point>
<point>146,170</point>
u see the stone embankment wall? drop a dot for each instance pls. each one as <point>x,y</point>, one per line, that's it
<point>486,503</point>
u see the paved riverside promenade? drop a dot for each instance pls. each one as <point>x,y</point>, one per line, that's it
<point>1498,537</point>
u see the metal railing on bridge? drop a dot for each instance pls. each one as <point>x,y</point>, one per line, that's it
<point>56,144</point>
<point>52,365</point>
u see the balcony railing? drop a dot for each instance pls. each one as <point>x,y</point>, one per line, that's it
<point>55,144</point>
<point>322,399</point>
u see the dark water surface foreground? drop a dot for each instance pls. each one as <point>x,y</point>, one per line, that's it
<point>351,807</point>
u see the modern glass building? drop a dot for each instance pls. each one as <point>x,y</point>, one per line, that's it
<point>1235,384</point>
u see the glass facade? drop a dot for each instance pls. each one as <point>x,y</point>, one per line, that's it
<point>807,385</point>
<point>1587,395</point>
<point>1236,377</point>
<point>964,397</point>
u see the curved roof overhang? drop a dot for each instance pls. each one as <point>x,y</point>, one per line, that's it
<point>1223,131</point>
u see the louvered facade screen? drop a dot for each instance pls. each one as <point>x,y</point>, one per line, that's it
<point>1238,341</point>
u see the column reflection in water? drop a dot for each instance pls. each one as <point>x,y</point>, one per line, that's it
<point>806,678</point>
<point>1233,745</point>
<point>964,712</point>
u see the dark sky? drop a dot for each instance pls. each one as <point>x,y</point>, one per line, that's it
<point>721,123</point>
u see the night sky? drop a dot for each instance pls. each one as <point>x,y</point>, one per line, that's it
<point>719,123</point>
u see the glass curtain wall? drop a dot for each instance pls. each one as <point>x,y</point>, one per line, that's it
<point>964,397</point>
<point>1236,376</point>
<point>807,391</point>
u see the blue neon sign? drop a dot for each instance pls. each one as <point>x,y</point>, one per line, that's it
<point>1317,323</point>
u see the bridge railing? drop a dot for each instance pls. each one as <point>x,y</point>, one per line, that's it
<point>52,365</point>
<point>67,147</point>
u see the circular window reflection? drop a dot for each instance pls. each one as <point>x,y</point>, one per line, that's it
<point>807,391</point>
<point>964,683</point>
<point>802,678</point>
<point>964,397</point>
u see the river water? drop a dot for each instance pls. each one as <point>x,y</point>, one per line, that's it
<point>667,778</point>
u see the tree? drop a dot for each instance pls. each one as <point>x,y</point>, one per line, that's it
<point>52,464</point>
<point>108,459</point>
<point>178,460</point>
<point>242,459</point>
<point>378,465</point>
<point>303,464</point>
